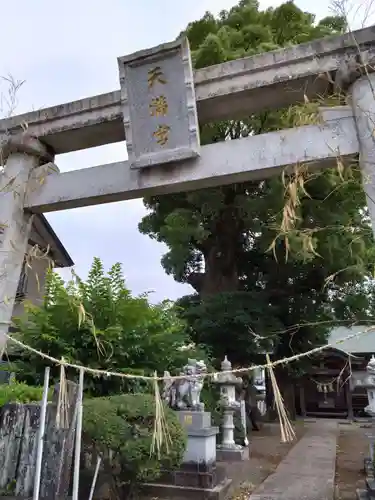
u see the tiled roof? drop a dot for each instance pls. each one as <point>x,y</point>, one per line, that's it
<point>364,343</point>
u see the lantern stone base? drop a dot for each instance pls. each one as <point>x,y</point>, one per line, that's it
<point>199,477</point>
<point>190,481</point>
<point>368,493</point>
<point>362,495</point>
<point>237,454</point>
<point>369,468</point>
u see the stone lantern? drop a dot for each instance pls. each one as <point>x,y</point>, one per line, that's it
<point>370,386</point>
<point>227,449</point>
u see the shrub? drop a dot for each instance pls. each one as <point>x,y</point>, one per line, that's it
<point>98,323</point>
<point>19,392</point>
<point>124,425</point>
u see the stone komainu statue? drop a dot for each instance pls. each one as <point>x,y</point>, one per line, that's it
<point>184,393</point>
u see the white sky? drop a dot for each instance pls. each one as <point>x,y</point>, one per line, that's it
<point>68,50</point>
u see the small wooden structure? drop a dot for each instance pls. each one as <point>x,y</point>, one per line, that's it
<point>327,389</point>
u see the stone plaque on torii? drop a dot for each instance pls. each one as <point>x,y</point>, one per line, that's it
<point>158,108</point>
<point>158,105</point>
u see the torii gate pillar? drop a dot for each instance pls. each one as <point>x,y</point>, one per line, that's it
<point>363,103</point>
<point>23,153</point>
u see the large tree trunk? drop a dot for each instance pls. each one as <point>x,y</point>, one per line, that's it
<point>221,269</point>
<point>221,251</point>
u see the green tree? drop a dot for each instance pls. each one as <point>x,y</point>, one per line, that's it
<point>219,239</point>
<point>97,323</point>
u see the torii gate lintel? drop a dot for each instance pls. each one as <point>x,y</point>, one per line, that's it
<point>241,160</point>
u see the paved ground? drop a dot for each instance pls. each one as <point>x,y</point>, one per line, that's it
<point>352,448</point>
<point>266,453</point>
<point>308,470</point>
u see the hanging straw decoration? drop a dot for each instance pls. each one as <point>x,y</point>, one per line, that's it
<point>2,351</point>
<point>4,340</point>
<point>62,413</point>
<point>161,433</point>
<point>286,429</point>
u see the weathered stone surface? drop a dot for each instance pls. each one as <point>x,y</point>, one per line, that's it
<point>362,495</point>
<point>251,158</point>
<point>27,458</point>
<point>363,108</point>
<point>19,428</point>
<point>174,492</point>
<point>25,143</point>
<point>159,108</point>
<point>194,420</point>
<point>12,418</point>
<point>224,91</point>
<point>234,455</point>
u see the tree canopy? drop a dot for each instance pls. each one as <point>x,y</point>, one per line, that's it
<point>265,255</point>
<point>98,323</point>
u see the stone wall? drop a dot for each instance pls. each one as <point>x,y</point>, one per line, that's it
<point>19,427</point>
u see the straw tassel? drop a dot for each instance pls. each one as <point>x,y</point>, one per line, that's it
<point>286,429</point>
<point>161,433</point>
<point>2,352</point>
<point>62,413</point>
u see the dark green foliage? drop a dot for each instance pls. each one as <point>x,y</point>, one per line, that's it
<point>98,323</point>
<point>227,322</point>
<point>125,424</point>
<point>219,239</point>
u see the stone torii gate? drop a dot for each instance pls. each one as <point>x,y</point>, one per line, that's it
<point>157,110</point>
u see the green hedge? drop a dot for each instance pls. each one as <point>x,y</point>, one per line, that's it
<point>124,424</point>
<point>18,392</point>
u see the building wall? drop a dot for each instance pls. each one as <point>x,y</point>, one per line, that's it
<point>35,285</point>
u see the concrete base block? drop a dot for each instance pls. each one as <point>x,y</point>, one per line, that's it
<point>369,468</point>
<point>172,492</point>
<point>235,455</point>
<point>362,495</point>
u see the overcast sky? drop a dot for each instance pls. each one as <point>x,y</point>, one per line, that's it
<point>68,50</point>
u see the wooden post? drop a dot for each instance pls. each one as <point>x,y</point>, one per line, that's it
<point>302,399</point>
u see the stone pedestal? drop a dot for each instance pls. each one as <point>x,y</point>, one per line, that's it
<point>236,454</point>
<point>201,442</point>
<point>228,450</point>
<point>199,477</point>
